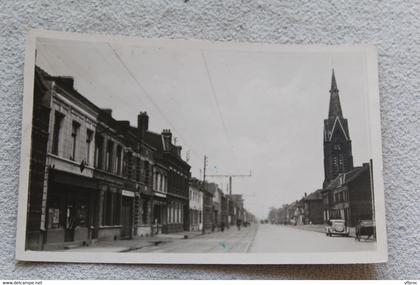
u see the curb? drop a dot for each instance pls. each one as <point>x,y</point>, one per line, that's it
<point>252,239</point>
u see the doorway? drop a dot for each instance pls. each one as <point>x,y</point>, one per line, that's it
<point>126,217</point>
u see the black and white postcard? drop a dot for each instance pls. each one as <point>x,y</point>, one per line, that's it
<point>177,151</point>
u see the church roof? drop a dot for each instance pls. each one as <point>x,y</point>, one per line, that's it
<point>335,106</point>
<point>336,124</point>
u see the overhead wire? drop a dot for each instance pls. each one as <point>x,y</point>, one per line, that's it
<point>216,100</point>
<point>140,86</point>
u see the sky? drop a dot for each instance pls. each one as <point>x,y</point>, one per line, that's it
<point>246,110</point>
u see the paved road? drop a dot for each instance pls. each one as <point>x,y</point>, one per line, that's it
<point>263,238</point>
<point>231,240</point>
<point>277,238</point>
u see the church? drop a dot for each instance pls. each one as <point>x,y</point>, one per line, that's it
<point>347,190</point>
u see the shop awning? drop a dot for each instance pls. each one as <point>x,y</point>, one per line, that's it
<point>73,180</point>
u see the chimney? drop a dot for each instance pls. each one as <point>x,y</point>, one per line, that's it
<point>124,125</point>
<point>142,123</point>
<point>66,81</point>
<point>305,194</point>
<point>167,138</point>
<point>178,150</point>
<point>108,112</point>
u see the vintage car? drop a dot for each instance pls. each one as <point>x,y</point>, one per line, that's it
<point>365,229</point>
<point>337,227</point>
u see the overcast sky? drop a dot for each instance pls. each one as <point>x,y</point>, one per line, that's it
<point>245,110</point>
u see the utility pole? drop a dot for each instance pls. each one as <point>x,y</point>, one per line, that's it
<point>230,176</point>
<point>204,168</point>
<point>203,230</point>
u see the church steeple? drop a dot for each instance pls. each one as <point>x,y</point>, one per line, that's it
<point>335,107</point>
<point>338,156</point>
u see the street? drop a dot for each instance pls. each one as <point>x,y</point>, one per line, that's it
<point>231,240</point>
<point>278,238</point>
<point>263,238</point>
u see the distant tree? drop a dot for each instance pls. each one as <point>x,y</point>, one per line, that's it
<point>272,215</point>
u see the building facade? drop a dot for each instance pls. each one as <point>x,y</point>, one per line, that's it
<point>313,208</point>
<point>196,206</point>
<point>63,199</point>
<point>208,210</point>
<point>116,196</point>
<point>96,178</point>
<point>35,234</point>
<point>238,204</point>
<point>350,196</point>
<point>176,181</point>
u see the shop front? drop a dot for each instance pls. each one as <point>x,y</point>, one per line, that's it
<point>159,213</point>
<point>70,212</point>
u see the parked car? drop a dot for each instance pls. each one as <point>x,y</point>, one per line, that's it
<point>337,227</point>
<point>366,229</point>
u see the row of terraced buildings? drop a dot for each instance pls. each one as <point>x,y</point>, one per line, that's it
<point>93,177</point>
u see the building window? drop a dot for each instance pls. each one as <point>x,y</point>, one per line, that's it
<point>146,172</point>
<point>127,165</point>
<point>160,182</point>
<point>74,134</point>
<point>106,208</point>
<point>165,183</point>
<point>89,137</point>
<point>55,219</point>
<point>117,208</point>
<point>145,210</point>
<point>111,209</point>
<point>138,169</point>
<point>108,156</point>
<point>118,160</point>
<point>99,149</point>
<point>58,120</point>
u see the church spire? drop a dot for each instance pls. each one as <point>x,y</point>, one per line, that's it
<point>338,156</point>
<point>333,82</point>
<point>335,107</point>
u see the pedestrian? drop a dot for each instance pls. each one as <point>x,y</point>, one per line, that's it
<point>238,224</point>
<point>222,226</point>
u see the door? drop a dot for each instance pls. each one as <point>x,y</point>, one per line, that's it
<point>76,216</point>
<point>186,218</point>
<point>70,221</point>
<point>126,217</point>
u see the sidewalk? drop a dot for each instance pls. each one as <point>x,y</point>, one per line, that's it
<point>321,229</point>
<point>133,244</point>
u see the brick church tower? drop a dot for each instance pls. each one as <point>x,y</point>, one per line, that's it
<point>338,156</point>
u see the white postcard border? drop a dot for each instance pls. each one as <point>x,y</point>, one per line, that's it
<point>376,256</point>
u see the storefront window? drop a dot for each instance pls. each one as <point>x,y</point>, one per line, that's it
<point>145,210</point>
<point>82,215</point>
<point>53,218</point>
